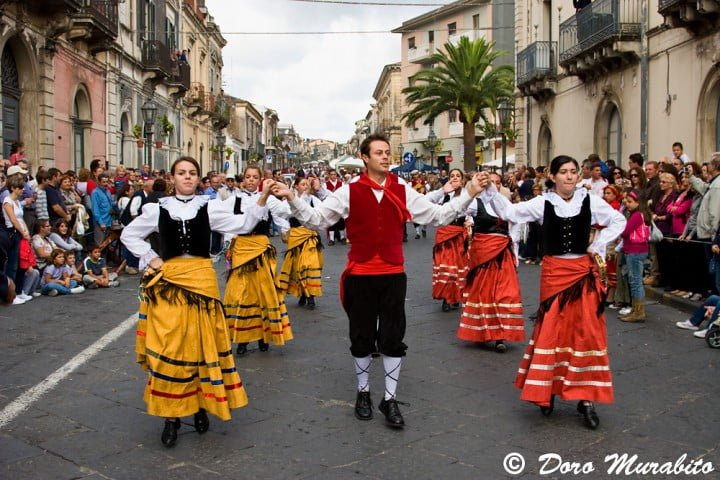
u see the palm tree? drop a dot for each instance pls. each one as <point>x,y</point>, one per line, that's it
<point>464,79</point>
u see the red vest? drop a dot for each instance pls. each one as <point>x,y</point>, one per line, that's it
<point>329,185</point>
<point>375,228</point>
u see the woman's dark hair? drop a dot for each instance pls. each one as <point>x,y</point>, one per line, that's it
<point>555,165</point>
<point>297,181</point>
<point>15,147</point>
<point>185,159</point>
<point>159,185</point>
<point>641,176</point>
<point>253,167</point>
<point>15,181</point>
<point>611,175</point>
<point>462,174</point>
<point>123,190</point>
<point>58,224</point>
<point>642,205</point>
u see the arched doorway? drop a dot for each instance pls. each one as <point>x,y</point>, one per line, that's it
<point>614,136</point>
<point>10,100</point>
<point>81,123</point>
<point>126,141</point>
<point>545,145</point>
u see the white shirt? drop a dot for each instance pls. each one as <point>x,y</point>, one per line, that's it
<point>17,209</point>
<point>221,215</point>
<point>280,210</point>
<point>596,186</point>
<point>533,210</point>
<point>337,206</point>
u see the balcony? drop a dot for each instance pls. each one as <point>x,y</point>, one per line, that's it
<point>418,134</point>
<point>697,16</point>
<point>179,81</point>
<point>536,73</point>
<point>455,129</point>
<point>602,37</point>
<point>156,59</point>
<point>422,53</point>
<point>96,24</point>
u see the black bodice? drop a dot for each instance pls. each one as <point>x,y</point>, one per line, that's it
<point>486,223</point>
<point>188,237</point>
<point>566,235</point>
<point>262,227</point>
<point>459,221</point>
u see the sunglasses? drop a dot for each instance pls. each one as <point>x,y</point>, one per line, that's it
<point>617,173</point>
<point>634,175</point>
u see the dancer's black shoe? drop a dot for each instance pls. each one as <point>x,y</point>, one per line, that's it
<point>264,347</point>
<point>393,417</point>
<point>590,416</point>
<point>549,409</point>
<point>500,346</point>
<point>445,306</point>
<point>169,435</point>
<point>201,421</point>
<point>363,406</point>
<point>241,349</point>
<point>311,303</point>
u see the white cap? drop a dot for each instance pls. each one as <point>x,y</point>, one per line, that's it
<point>14,170</point>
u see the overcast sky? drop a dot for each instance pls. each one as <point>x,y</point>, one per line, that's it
<point>321,84</point>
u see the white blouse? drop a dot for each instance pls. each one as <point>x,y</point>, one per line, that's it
<point>221,215</point>
<point>280,210</point>
<point>533,210</point>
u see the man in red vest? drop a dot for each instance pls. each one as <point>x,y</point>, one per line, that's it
<point>337,230</point>
<point>373,286</point>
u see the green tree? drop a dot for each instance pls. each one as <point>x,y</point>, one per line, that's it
<point>463,79</point>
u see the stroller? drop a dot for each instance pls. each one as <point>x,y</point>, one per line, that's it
<point>712,337</point>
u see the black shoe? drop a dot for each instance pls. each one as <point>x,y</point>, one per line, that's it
<point>417,236</point>
<point>331,243</point>
<point>343,241</point>
<point>592,421</point>
<point>445,306</point>
<point>169,434</point>
<point>311,303</point>
<point>302,301</point>
<point>393,417</point>
<point>264,347</point>
<point>363,406</point>
<point>455,306</point>
<point>424,233</point>
<point>202,422</point>
<point>546,411</point>
<point>241,349</point>
<point>500,346</point>
<point>405,239</point>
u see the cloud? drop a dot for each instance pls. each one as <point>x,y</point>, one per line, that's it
<point>321,84</point>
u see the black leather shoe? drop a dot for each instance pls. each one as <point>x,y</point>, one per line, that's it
<point>363,406</point>
<point>264,347</point>
<point>311,303</point>
<point>445,306</point>
<point>331,242</point>
<point>241,349</point>
<point>592,421</point>
<point>202,422</point>
<point>546,411</point>
<point>417,236</point>
<point>500,346</point>
<point>455,306</point>
<point>393,417</point>
<point>169,435</point>
<point>302,301</point>
<point>424,233</point>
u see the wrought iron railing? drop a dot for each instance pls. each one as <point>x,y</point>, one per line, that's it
<point>600,21</point>
<point>156,56</point>
<point>181,76</point>
<point>536,61</point>
<point>105,13</point>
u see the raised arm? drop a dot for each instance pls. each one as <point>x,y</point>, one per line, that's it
<point>224,220</point>
<point>135,233</point>
<point>325,214</point>
<point>524,212</point>
<point>613,221</point>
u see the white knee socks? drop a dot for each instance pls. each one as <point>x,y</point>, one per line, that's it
<point>392,374</point>
<point>362,370</point>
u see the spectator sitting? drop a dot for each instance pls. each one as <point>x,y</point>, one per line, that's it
<point>61,236</point>
<point>56,277</point>
<point>95,272</point>
<point>710,306</point>
<point>41,244</point>
<point>72,266</point>
<point>28,262</point>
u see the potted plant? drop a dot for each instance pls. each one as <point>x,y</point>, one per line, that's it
<point>137,133</point>
<point>228,151</point>
<point>167,126</point>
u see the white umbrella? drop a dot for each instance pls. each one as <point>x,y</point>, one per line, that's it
<point>350,162</point>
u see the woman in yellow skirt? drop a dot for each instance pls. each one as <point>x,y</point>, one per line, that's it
<point>182,337</point>
<point>301,272</point>
<point>254,305</point>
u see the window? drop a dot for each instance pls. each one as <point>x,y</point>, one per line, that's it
<point>431,37</point>
<point>614,137</point>
<point>476,22</point>
<point>170,35</point>
<point>452,28</point>
<point>411,43</point>
<point>452,116</point>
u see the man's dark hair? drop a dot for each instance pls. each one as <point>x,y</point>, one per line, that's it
<point>678,144</point>
<point>42,176</point>
<point>53,172</point>
<point>637,158</point>
<point>103,176</point>
<point>159,185</point>
<point>594,157</point>
<point>375,137</point>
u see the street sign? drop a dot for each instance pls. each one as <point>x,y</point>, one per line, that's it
<point>408,157</point>
<point>449,159</point>
<point>268,158</point>
<point>227,166</point>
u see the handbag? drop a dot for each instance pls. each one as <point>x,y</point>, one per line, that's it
<point>656,235</point>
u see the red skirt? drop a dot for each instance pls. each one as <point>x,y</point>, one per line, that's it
<point>492,304</point>
<point>567,355</point>
<point>449,263</point>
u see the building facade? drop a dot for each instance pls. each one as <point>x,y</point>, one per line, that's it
<point>638,75</point>
<point>387,109</point>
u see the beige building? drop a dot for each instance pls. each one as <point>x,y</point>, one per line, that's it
<point>387,109</point>
<point>425,35</point>
<point>246,131</point>
<point>615,80</point>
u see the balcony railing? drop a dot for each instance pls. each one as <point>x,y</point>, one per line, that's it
<point>598,23</point>
<point>105,14</point>
<point>421,53</point>
<point>537,61</point>
<point>698,16</point>
<point>455,129</point>
<point>156,56</point>
<point>180,77</point>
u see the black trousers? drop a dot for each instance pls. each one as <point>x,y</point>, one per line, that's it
<point>375,305</point>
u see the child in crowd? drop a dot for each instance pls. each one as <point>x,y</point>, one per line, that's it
<point>56,277</point>
<point>95,272</point>
<point>72,268</point>
<point>28,262</point>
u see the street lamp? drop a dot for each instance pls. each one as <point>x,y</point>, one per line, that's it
<point>335,152</point>
<point>220,145</point>
<point>431,144</point>
<point>149,110</point>
<point>504,112</point>
<point>401,149</point>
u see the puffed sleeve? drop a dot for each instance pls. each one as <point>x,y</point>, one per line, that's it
<point>224,220</point>
<point>524,212</point>
<point>613,221</point>
<point>135,233</point>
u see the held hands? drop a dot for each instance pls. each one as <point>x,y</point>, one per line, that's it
<point>450,186</point>
<point>478,183</point>
<point>267,187</point>
<point>281,190</point>
<point>156,263</point>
